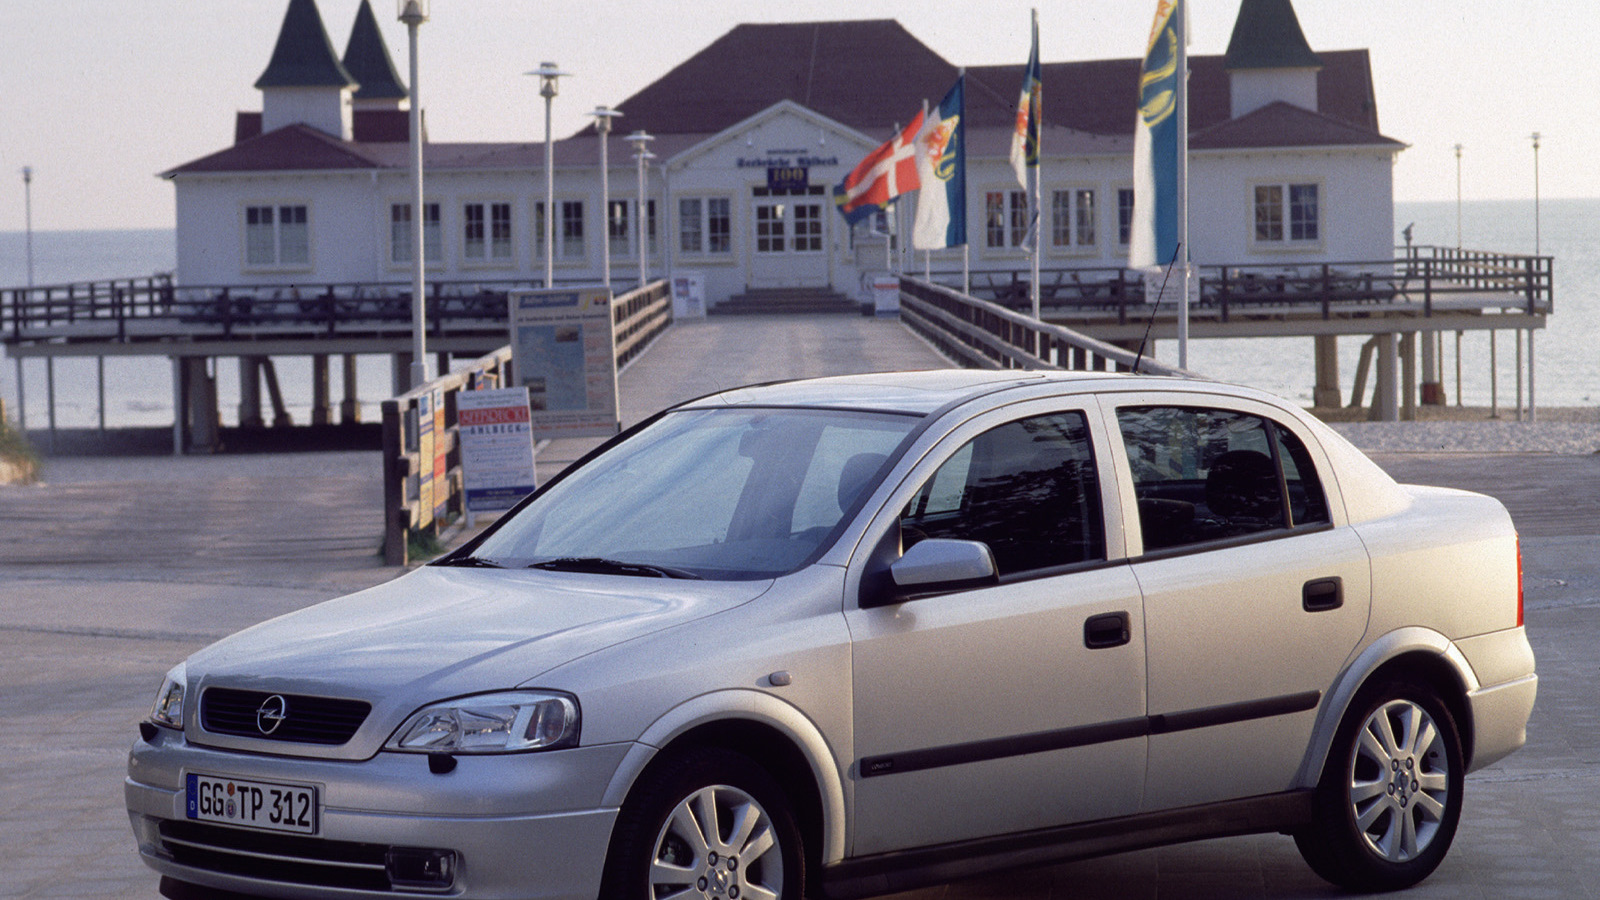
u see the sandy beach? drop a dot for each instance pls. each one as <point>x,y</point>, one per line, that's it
<point>1570,430</point>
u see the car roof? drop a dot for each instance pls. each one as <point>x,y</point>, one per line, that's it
<point>915,393</point>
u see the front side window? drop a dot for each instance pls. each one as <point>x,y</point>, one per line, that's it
<point>1028,489</point>
<point>1209,474</point>
<point>277,236</point>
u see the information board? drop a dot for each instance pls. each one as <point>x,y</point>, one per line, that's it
<point>563,347</point>
<point>496,447</point>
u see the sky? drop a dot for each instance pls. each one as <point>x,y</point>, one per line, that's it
<point>99,97</point>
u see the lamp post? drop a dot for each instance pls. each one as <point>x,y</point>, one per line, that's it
<point>413,13</point>
<point>602,127</point>
<point>1458,196</point>
<point>1536,246</point>
<point>641,154</point>
<point>549,77</point>
<point>27,206</point>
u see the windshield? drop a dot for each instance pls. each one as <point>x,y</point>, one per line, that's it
<point>732,493</point>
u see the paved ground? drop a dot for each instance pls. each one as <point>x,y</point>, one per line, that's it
<point>117,568</point>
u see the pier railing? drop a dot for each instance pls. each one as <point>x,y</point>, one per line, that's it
<point>1418,278</point>
<point>423,486</point>
<point>981,334</point>
<point>135,309</point>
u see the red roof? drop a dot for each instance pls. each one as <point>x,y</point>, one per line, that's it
<point>1285,125</point>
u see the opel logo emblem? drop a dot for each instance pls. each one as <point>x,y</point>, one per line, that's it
<point>271,714</point>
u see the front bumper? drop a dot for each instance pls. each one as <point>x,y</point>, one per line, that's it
<point>524,825</point>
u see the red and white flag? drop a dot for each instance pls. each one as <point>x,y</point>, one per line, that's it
<point>886,173</point>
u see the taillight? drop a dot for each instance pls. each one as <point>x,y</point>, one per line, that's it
<point>1519,581</point>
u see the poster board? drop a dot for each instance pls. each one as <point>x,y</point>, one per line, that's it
<point>563,348</point>
<point>497,454</point>
<point>688,295</point>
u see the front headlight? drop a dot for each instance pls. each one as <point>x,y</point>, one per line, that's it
<point>507,722</point>
<point>168,709</point>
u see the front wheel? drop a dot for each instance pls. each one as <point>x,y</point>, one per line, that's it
<point>1389,801</point>
<point>707,824</point>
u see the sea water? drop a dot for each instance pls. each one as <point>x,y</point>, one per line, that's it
<point>139,389</point>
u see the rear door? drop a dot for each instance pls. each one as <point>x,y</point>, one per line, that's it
<point>1255,592</point>
<point>1003,708</point>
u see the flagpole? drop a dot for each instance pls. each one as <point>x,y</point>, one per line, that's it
<point>1035,112</point>
<point>1183,184</point>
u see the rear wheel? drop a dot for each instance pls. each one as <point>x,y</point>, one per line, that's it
<point>1389,801</point>
<point>710,824</point>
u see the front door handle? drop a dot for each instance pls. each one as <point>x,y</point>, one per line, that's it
<point>1106,630</point>
<point>1322,594</point>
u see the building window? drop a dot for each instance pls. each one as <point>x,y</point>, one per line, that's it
<point>400,232</point>
<point>691,225</point>
<point>1124,216</point>
<point>719,225</point>
<point>705,225</point>
<point>1005,219</point>
<point>620,224</point>
<point>486,231</point>
<point>1287,212</point>
<point>277,236</point>
<point>1072,215</point>
<point>571,237</point>
<point>808,227</point>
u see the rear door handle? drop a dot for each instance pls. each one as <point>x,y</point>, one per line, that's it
<point>1322,594</point>
<point>1106,630</point>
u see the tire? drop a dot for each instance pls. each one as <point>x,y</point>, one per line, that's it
<point>705,823</point>
<point>1389,801</point>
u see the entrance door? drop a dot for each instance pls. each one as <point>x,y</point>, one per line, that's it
<point>788,242</point>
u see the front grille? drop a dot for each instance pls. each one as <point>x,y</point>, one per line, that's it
<point>274,857</point>
<point>307,720</point>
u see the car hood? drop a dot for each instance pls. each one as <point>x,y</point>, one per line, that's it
<point>439,633</point>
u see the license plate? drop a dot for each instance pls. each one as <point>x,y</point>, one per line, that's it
<point>253,804</point>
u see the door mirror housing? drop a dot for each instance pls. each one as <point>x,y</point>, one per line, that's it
<point>938,565</point>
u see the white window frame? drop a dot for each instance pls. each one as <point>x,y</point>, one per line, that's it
<point>1074,221</point>
<point>433,235</point>
<point>707,252</point>
<point>490,257</point>
<point>1014,222</point>
<point>1124,234</point>
<point>277,263</point>
<point>622,245</point>
<point>1286,208</point>
<point>562,255</point>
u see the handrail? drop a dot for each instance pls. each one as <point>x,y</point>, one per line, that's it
<point>983,334</point>
<point>639,316</point>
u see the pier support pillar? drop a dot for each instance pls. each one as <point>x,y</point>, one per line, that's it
<point>350,408</point>
<point>250,392</point>
<point>198,421</point>
<point>1408,376</point>
<point>399,374</point>
<point>1385,394</point>
<point>1326,392</point>
<point>1432,381</point>
<point>280,412</point>
<point>321,402</point>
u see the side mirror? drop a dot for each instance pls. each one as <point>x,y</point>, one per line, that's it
<point>937,565</point>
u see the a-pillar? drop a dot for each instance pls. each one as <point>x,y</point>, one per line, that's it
<point>1432,381</point>
<point>1386,393</point>
<point>250,393</point>
<point>1326,392</point>
<point>350,409</point>
<point>321,402</point>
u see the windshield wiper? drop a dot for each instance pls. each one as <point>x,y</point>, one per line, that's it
<point>601,566</point>
<point>470,562</point>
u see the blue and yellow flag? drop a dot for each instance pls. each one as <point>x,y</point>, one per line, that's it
<point>942,168</point>
<point>1157,144</point>
<point>1025,138</point>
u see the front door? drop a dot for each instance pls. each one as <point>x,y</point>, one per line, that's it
<point>788,241</point>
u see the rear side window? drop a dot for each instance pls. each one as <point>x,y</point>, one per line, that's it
<point>1028,489</point>
<point>1210,474</point>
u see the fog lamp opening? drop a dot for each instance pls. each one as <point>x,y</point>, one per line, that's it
<point>421,869</point>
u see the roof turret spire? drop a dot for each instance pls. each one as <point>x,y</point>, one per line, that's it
<point>367,59</point>
<point>1267,35</point>
<point>304,56</point>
